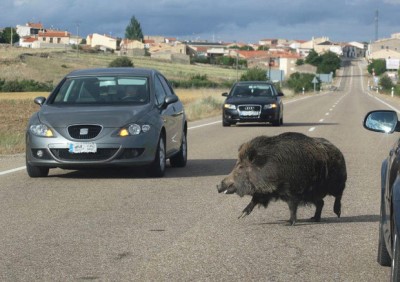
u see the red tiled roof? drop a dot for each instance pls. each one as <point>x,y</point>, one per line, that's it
<point>30,39</point>
<point>35,25</point>
<point>53,33</point>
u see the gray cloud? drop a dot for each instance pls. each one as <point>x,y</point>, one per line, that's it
<point>247,21</point>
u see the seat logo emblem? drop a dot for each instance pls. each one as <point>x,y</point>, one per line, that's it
<point>84,131</point>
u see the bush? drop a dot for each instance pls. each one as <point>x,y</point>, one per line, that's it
<point>297,81</point>
<point>121,62</point>
<point>386,82</point>
<point>254,74</point>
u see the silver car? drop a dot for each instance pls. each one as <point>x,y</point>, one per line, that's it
<point>108,117</point>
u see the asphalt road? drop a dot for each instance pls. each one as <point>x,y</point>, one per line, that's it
<point>115,225</point>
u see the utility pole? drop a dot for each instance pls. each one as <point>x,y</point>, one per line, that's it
<point>11,40</point>
<point>77,39</point>
<point>376,24</point>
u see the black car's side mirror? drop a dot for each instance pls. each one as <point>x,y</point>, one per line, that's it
<point>225,94</point>
<point>281,94</point>
<point>384,121</point>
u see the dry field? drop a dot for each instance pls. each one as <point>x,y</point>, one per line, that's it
<point>51,65</point>
<point>16,108</point>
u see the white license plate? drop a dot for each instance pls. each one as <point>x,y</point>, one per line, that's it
<point>84,147</point>
<point>249,113</point>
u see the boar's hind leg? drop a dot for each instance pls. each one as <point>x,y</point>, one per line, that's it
<point>319,204</point>
<point>337,206</point>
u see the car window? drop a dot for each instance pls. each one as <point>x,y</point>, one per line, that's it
<point>168,89</point>
<point>160,91</point>
<point>253,90</point>
<point>102,90</point>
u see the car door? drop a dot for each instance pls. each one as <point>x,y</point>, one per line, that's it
<point>169,115</point>
<point>393,163</point>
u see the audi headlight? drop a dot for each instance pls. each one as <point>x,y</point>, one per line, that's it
<point>41,130</point>
<point>270,106</point>
<point>133,129</point>
<point>230,106</point>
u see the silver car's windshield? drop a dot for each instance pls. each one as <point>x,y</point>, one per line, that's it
<point>102,90</point>
<point>255,90</point>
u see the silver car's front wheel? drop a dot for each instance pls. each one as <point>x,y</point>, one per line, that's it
<point>157,168</point>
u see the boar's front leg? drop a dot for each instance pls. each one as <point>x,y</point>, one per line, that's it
<point>256,200</point>
<point>293,211</point>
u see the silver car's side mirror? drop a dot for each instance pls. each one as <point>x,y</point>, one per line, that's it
<point>384,121</point>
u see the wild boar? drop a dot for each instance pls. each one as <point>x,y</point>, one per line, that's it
<point>291,167</point>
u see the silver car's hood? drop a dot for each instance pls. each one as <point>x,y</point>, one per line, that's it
<point>107,116</point>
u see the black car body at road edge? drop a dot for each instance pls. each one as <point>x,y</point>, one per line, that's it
<point>385,121</point>
<point>108,117</point>
<point>252,101</point>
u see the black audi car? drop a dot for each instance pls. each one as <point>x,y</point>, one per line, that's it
<point>253,101</point>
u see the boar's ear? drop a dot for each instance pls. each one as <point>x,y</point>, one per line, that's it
<point>246,151</point>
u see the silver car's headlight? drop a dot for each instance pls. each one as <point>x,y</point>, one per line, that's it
<point>230,106</point>
<point>133,129</point>
<point>41,130</point>
<point>270,106</point>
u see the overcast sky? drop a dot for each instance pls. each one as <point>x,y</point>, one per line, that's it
<point>245,21</point>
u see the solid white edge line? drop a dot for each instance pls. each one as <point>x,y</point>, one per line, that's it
<point>202,125</point>
<point>12,170</point>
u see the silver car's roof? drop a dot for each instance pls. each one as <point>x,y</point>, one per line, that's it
<point>112,71</point>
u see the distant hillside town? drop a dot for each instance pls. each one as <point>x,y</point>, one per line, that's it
<point>276,53</point>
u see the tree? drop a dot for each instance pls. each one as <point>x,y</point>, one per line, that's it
<point>5,36</point>
<point>330,62</point>
<point>378,66</point>
<point>133,30</point>
<point>313,58</point>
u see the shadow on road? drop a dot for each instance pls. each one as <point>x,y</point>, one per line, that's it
<point>194,168</point>
<point>329,220</point>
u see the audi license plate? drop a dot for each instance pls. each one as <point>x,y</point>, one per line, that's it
<point>83,147</point>
<point>249,113</point>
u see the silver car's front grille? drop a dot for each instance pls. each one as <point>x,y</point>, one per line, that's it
<point>84,131</point>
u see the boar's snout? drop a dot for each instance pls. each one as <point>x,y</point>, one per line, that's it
<point>226,187</point>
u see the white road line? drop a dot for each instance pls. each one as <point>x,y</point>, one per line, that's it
<point>12,170</point>
<point>311,129</point>
<point>202,125</point>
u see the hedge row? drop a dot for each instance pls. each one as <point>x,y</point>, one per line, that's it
<point>25,86</point>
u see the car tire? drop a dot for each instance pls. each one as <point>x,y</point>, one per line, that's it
<point>225,123</point>
<point>395,272</point>
<point>36,171</point>
<point>157,168</point>
<point>276,122</point>
<point>180,159</point>
<point>383,254</point>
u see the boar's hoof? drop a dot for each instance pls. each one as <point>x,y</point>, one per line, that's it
<point>316,219</point>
